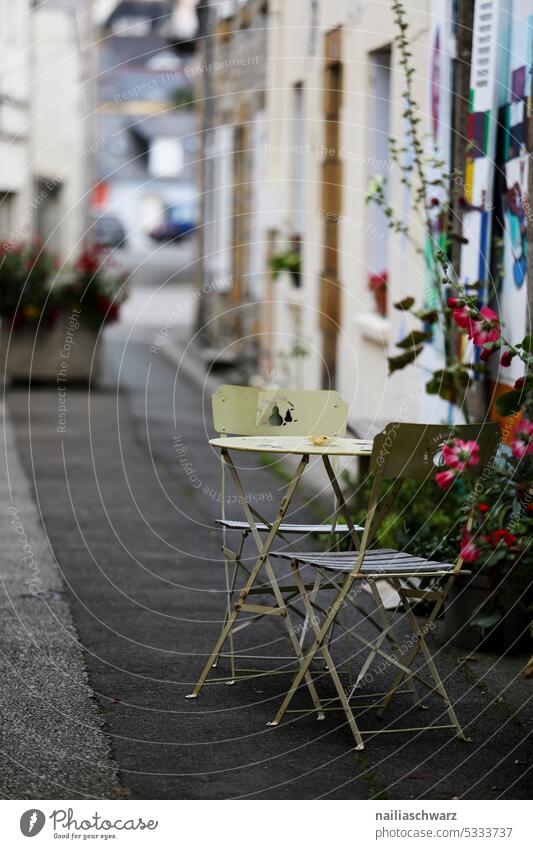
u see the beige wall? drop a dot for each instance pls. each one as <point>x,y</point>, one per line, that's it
<point>58,138</point>
<point>15,184</point>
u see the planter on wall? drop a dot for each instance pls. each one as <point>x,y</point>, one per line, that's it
<point>68,352</point>
<point>466,597</point>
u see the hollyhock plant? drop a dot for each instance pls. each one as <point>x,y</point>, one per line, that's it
<point>522,442</point>
<point>506,358</point>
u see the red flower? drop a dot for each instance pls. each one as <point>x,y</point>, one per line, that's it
<point>486,354</point>
<point>454,302</point>
<point>518,384</point>
<point>87,263</point>
<point>378,281</point>
<point>506,358</point>
<point>483,508</point>
<point>503,536</point>
<point>469,551</point>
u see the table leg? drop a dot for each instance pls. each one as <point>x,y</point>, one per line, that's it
<point>263,549</point>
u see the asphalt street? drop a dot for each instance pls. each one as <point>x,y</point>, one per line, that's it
<point>130,522</point>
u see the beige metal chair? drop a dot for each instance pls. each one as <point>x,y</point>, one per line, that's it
<point>400,452</point>
<point>249,411</point>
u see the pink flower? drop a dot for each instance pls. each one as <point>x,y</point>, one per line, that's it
<point>453,303</point>
<point>461,454</point>
<point>506,358</point>
<point>463,318</point>
<point>469,550</point>
<point>486,330</point>
<point>522,442</point>
<point>445,479</point>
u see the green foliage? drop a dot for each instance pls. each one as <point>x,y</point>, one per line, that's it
<point>285,261</point>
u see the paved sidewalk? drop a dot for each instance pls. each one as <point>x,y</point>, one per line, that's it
<point>132,527</point>
<point>52,738</point>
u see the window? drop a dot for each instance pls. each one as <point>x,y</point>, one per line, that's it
<point>378,154</point>
<point>298,161</point>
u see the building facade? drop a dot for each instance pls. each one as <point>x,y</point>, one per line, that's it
<point>15,181</point>
<point>302,255</point>
<point>231,85</point>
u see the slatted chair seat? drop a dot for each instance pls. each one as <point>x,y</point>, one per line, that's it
<point>287,527</point>
<point>376,562</point>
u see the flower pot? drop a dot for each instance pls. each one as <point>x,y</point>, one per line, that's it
<point>380,296</point>
<point>467,595</point>
<point>66,353</point>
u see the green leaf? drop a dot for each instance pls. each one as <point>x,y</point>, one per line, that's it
<point>396,363</point>
<point>413,339</point>
<point>527,344</point>
<point>404,304</point>
<point>509,403</point>
<point>428,316</point>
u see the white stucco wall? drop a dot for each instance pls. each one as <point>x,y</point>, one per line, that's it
<point>365,337</point>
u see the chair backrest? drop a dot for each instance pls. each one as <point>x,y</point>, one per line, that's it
<point>414,451</point>
<point>249,411</point>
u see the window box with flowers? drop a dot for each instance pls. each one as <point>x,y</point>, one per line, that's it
<point>52,316</point>
<point>377,283</point>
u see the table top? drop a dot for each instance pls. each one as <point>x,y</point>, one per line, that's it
<point>338,446</point>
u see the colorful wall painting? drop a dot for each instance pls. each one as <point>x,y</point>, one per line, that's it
<point>513,180</point>
<point>489,51</point>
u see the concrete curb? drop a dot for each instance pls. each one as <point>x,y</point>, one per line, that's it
<point>53,737</point>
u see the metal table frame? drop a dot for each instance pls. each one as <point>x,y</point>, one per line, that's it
<point>305,448</point>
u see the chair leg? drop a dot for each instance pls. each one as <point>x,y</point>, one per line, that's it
<point>388,633</point>
<point>421,641</point>
<point>416,648</point>
<point>294,640</point>
<point>230,587</point>
<point>331,666</point>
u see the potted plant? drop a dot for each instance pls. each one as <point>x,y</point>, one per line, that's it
<point>290,261</point>
<point>52,316</point>
<point>494,606</point>
<point>377,283</point>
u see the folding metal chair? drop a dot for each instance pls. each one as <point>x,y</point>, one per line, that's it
<point>400,452</point>
<point>250,411</point>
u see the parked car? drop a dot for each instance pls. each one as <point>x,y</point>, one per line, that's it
<point>180,220</point>
<point>108,232</point>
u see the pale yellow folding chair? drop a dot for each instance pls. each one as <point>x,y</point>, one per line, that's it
<point>249,411</point>
<point>400,452</point>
